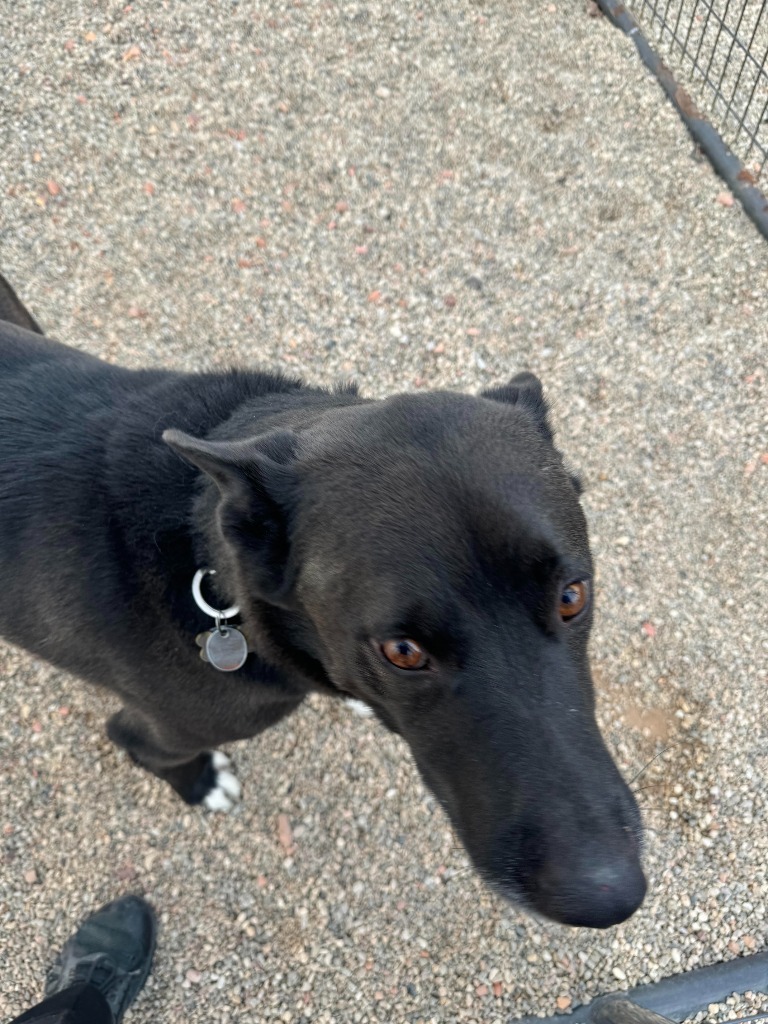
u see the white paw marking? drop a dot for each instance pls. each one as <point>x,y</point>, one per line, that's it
<point>359,707</point>
<point>227,791</point>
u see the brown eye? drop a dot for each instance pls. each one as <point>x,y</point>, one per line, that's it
<point>573,600</point>
<point>404,653</point>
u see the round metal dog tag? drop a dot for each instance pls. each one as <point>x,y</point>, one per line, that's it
<point>226,649</point>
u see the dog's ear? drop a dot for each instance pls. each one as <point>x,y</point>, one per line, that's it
<point>13,309</point>
<point>258,486</point>
<point>525,390</point>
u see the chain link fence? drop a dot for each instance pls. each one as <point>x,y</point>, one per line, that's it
<point>710,58</point>
<point>721,47</point>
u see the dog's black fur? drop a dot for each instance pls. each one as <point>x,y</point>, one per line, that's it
<point>336,524</point>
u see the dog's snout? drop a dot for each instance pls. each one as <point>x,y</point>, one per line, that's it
<point>593,891</point>
<point>575,857</point>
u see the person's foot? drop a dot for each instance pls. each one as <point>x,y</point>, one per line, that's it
<point>111,950</point>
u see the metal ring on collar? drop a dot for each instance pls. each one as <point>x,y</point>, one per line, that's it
<point>203,605</point>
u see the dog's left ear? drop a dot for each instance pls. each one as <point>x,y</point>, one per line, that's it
<point>525,390</point>
<point>258,485</point>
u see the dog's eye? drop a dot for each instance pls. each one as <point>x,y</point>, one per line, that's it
<point>404,654</point>
<point>573,600</point>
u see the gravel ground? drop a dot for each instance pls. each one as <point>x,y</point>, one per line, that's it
<point>417,195</point>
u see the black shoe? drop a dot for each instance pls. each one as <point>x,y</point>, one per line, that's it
<point>111,950</point>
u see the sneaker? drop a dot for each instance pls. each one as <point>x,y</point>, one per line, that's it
<point>111,950</point>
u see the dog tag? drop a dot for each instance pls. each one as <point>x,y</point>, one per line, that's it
<point>226,648</point>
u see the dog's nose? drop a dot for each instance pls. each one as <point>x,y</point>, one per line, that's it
<point>595,893</point>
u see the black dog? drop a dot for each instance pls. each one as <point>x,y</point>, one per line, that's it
<point>426,555</point>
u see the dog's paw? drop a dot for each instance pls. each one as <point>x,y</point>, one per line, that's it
<point>226,791</point>
<point>359,707</point>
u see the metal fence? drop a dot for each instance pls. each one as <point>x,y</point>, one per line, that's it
<point>721,47</point>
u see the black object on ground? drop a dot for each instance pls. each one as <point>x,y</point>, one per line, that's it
<point>678,997</point>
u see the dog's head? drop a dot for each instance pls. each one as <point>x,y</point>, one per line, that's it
<point>428,555</point>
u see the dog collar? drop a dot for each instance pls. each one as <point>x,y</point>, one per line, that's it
<point>224,647</point>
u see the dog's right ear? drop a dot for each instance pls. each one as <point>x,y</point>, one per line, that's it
<point>258,486</point>
<point>13,309</point>
<point>526,391</point>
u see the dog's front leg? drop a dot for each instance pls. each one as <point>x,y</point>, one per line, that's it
<point>198,776</point>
